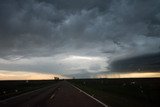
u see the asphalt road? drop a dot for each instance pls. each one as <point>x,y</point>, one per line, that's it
<point>62,94</point>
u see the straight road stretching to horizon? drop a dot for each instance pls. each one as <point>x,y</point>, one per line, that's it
<point>62,94</point>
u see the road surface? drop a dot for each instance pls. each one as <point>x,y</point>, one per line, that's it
<point>62,94</point>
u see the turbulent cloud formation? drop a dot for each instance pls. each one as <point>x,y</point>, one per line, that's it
<point>44,33</point>
<point>150,62</point>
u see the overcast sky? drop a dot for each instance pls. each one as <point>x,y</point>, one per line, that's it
<point>79,37</point>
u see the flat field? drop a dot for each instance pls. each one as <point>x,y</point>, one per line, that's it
<point>128,92</point>
<point>12,88</point>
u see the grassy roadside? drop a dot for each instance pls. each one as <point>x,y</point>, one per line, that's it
<point>12,88</point>
<point>111,99</point>
<point>122,93</point>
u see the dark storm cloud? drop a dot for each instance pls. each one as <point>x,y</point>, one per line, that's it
<point>150,62</point>
<point>78,5</point>
<point>116,28</point>
<point>30,28</point>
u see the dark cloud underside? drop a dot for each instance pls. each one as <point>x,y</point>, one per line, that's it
<point>145,63</point>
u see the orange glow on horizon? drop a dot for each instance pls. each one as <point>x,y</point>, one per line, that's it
<point>131,75</point>
<point>22,75</point>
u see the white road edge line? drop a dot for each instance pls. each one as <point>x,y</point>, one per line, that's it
<point>52,96</point>
<point>90,96</point>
